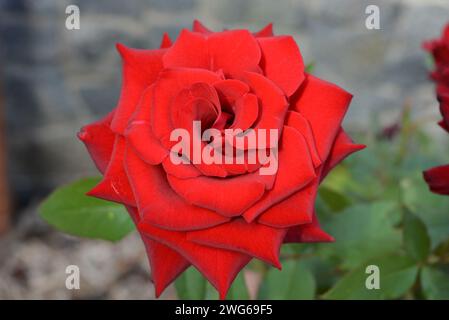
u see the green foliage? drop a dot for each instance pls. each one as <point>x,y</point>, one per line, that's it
<point>295,281</point>
<point>238,290</point>
<point>431,208</point>
<point>397,275</point>
<point>416,239</point>
<point>335,200</point>
<point>191,285</point>
<point>70,210</point>
<point>435,283</point>
<point>362,231</point>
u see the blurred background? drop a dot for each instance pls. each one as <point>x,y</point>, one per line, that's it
<point>54,80</point>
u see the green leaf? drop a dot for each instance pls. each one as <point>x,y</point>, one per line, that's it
<point>324,271</point>
<point>71,211</point>
<point>211,292</point>
<point>295,281</point>
<point>362,232</point>
<point>431,208</point>
<point>191,285</point>
<point>339,179</point>
<point>397,275</point>
<point>335,200</point>
<point>238,290</point>
<point>415,237</point>
<point>435,283</point>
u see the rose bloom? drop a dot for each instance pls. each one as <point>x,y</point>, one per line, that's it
<point>438,177</point>
<point>217,217</point>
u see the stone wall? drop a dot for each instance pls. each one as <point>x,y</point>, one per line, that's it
<point>54,80</point>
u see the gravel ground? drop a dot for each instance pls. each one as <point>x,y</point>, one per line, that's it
<point>34,257</point>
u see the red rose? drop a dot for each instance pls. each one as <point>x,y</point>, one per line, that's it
<point>218,216</point>
<point>438,177</point>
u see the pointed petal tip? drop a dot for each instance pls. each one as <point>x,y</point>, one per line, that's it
<point>157,290</point>
<point>197,26</point>
<point>325,237</point>
<point>92,193</point>
<point>222,293</point>
<point>121,48</point>
<point>166,41</point>
<point>98,191</point>
<point>277,264</point>
<point>83,135</point>
<point>427,177</point>
<point>358,147</point>
<point>266,31</point>
<point>124,51</point>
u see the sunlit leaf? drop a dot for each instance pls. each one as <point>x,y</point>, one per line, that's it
<point>397,274</point>
<point>70,210</point>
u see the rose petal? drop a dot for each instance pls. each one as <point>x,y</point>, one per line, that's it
<point>324,105</point>
<point>273,102</point>
<point>139,134</point>
<point>296,209</point>
<point>444,125</point>
<point>230,51</point>
<point>342,148</point>
<point>233,51</point>
<point>214,193</point>
<point>134,213</point>
<point>229,90</point>
<point>169,83</point>
<point>266,31</point>
<point>264,242</point>
<point>159,204</point>
<point>438,179</point>
<point>246,161</point>
<point>115,186</point>
<point>282,62</point>
<point>310,232</point>
<point>140,69</point>
<point>199,27</point>
<point>182,170</point>
<point>194,104</point>
<point>166,41</point>
<point>246,111</point>
<point>219,266</point>
<point>297,121</point>
<point>166,264</point>
<point>99,141</point>
<point>272,105</point>
<point>295,172</point>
